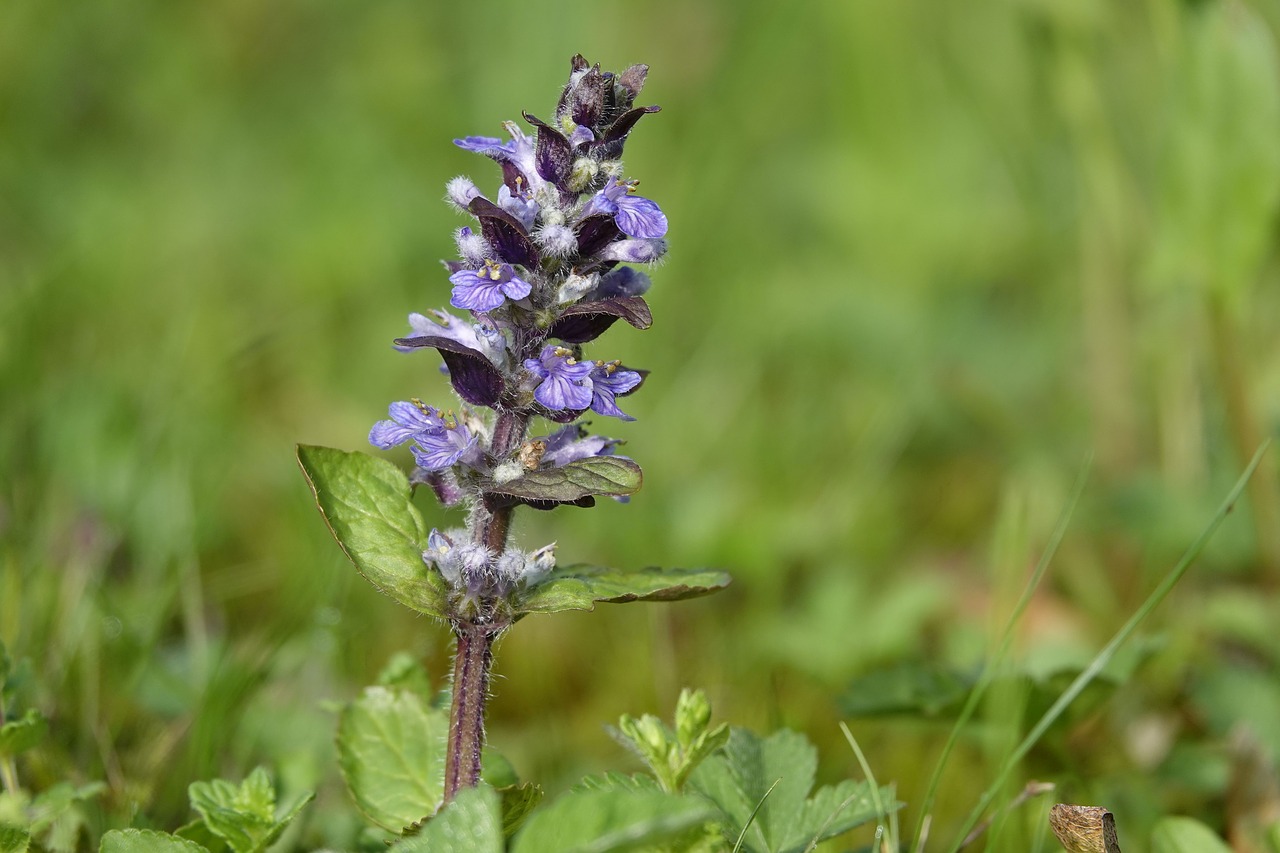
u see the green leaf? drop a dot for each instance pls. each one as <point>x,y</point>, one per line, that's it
<point>391,748</point>
<point>366,503</point>
<point>615,781</point>
<point>775,775</point>
<point>471,822</point>
<point>18,736</point>
<point>146,841</point>
<point>614,476</point>
<point>517,802</point>
<point>604,821</point>
<point>199,832</point>
<point>906,687</point>
<point>580,587</point>
<point>245,815</point>
<point>56,809</point>
<point>1185,835</point>
<point>13,839</point>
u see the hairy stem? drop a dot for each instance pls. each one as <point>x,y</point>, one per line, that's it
<point>471,665</point>
<point>473,658</point>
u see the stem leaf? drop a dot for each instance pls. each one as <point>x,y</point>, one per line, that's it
<point>615,476</point>
<point>366,503</point>
<point>581,587</point>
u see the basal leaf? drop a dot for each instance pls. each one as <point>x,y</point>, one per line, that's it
<point>391,748</point>
<point>763,784</point>
<point>20,735</point>
<point>1185,835</point>
<point>13,839</point>
<point>580,587</point>
<point>615,476</point>
<point>146,841</point>
<point>471,822</point>
<point>604,821</point>
<point>365,501</point>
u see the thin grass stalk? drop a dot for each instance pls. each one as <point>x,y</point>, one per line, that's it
<point>1104,657</point>
<point>987,675</point>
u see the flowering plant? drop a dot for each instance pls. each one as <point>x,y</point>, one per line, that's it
<point>542,271</point>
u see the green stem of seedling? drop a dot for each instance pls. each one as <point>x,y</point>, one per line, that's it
<point>1104,657</point>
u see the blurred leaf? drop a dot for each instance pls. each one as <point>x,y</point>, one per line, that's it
<point>243,815</point>
<point>1185,835</point>
<point>471,822</point>
<point>52,806</point>
<point>13,839</point>
<point>497,770</point>
<point>605,821</point>
<point>906,687</point>
<point>763,785</point>
<point>18,736</point>
<point>391,748</point>
<point>1232,696</point>
<point>145,841</point>
<point>615,476</point>
<point>581,587</point>
<point>366,503</point>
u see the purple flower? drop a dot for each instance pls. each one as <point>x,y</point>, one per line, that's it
<point>487,288</point>
<point>564,381</point>
<point>436,442</point>
<point>607,382</point>
<point>408,421</point>
<point>571,443</point>
<point>481,336</point>
<point>490,146</point>
<point>442,448</point>
<point>637,251</point>
<point>621,281</point>
<point>635,216</point>
<point>518,205</point>
<point>518,152</point>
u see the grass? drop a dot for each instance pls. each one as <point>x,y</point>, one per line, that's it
<point>924,259</point>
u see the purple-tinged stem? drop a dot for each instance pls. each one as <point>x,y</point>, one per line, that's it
<point>473,658</point>
<point>471,665</point>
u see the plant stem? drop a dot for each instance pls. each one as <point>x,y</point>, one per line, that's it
<point>471,665</point>
<point>473,657</point>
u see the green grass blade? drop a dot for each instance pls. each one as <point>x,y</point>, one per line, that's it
<point>1006,639</point>
<point>881,829</point>
<point>1104,657</point>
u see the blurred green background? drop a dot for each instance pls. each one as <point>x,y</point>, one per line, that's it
<point>927,259</point>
